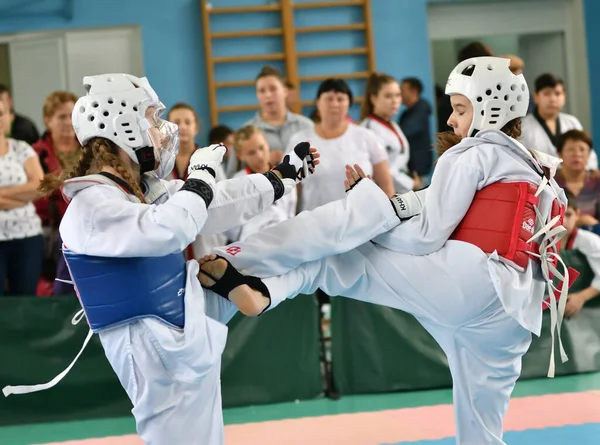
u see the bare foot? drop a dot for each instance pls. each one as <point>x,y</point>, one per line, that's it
<point>250,302</point>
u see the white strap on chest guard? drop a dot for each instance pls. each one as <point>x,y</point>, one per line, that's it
<point>26,389</point>
<point>549,237</point>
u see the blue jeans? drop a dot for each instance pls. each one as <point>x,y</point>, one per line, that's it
<point>21,265</point>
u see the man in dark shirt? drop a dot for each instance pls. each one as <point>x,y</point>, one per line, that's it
<point>22,128</point>
<point>414,122</point>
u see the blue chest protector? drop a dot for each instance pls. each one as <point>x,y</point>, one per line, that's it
<point>117,291</point>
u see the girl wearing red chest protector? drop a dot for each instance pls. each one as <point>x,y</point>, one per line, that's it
<point>470,259</point>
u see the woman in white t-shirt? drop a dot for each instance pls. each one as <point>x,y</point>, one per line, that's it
<point>381,103</point>
<point>340,143</point>
<point>21,241</point>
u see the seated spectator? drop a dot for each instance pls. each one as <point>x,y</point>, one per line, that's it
<point>274,119</point>
<point>414,122</point>
<point>252,149</point>
<point>185,117</point>
<point>574,149</point>
<point>21,241</point>
<point>339,143</point>
<point>21,128</point>
<point>222,134</point>
<point>58,150</point>
<point>381,104</point>
<point>542,130</point>
<point>580,249</point>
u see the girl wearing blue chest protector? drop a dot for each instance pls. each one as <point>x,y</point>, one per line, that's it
<point>124,233</point>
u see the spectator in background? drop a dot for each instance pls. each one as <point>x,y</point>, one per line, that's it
<point>21,241</point>
<point>21,128</point>
<point>340,143</point>
<point>222,134</point>
<point>473,49</point>
<point>380,105</point>
<point>574,149</point>
<point>252,149</point>
<point>293,96</point>
<point>414,122</point>
<point>186,119</point>
<point>274,119</point>
<point>516,63</point>
<point>585,244</point>
<point>184,116</point>
<point>542,130</point>
<point>58,150</point>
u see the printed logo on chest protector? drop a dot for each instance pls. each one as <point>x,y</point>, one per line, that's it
<point>233,250</point>
<point>528,225</point>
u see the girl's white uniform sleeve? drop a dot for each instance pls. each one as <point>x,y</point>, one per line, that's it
<point>101,221</point>
<point>235,201</point>
<point>447,201</point>
<point>588,243</point>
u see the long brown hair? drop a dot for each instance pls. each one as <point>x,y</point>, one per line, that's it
<point>97,153</point>
<point>374,84</point>
<point>448,139</point>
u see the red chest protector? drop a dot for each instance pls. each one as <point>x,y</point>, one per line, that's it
<point>501,218</point>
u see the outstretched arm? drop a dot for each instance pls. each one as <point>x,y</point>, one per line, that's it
<point>238,200</point>
<point>447,200</point>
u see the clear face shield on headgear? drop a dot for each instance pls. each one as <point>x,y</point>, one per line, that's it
<point>164,136</point>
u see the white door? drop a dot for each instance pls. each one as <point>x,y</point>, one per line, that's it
<point>110,50</point>
<point>37,67</point>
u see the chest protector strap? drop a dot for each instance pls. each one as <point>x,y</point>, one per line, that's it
<point>154,189</point>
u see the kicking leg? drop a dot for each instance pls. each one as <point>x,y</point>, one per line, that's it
<point>328,230</point>
<point>349,274</point>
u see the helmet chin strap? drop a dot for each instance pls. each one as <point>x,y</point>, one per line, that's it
<point>146,159</point>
